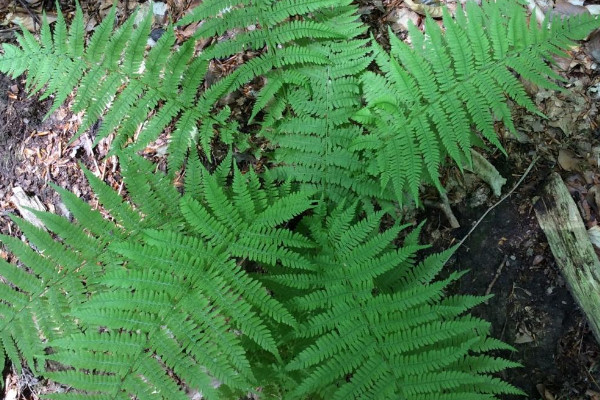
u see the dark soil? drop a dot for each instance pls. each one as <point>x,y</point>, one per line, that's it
<point>508,256</point>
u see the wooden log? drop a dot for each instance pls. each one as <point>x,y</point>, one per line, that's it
<point>559,218</point>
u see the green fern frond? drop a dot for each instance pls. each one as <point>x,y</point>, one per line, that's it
<point>313,137</point>
<point>370,344</point>
<point>436,92</point>
<point>33,311</point>
<point>117,82</point>
<point>239,280</point>
<point>155,300</point>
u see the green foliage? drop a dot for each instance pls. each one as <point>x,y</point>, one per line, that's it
<point>164,292</point>
<point>435,99</point>
<point>434,93</point>
<point>314,134</point>
<point>293,279</point>
<point>378,327</point>
<point>160,297</point>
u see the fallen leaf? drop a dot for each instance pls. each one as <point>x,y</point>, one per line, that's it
<point>594,235</point>
<point>594,9</point>
<point>522,338</point>
<point>565,9</point>
<point>593,394</point>
<point>545,393</point>
<point>593,46</point>
<point>567,160</point>
<point>424,7</point>
<point>401,18</point>
<point>24,202</point>
<point>11,394</point>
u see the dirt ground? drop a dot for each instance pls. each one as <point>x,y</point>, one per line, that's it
<point>507,254</point>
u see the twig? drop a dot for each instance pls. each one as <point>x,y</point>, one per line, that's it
<point>444,206</point>
<point>496,276</point>
<point>11,29</point>
<point>34,17</point>
<point>527,171</point>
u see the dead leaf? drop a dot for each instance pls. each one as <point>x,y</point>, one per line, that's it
<point>593,394</point>
<point>565,9</point>
<point>567,160</point>
<point>594,9</point>
<point>545,393</point>
<point>401,18</point>
<point>522,338</point>
<point>423,7</point>
<point>593,46</point>
<point>11,394</point>
<point>594,235</point>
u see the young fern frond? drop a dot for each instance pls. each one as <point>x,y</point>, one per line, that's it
<point>447,85</point>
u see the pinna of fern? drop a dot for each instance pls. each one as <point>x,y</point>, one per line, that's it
<point>434,96</point>
<point>154,300</point>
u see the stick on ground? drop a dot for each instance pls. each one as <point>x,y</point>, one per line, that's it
<point>560,220</point>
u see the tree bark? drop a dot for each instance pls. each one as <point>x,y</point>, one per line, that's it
<point>559,218</point>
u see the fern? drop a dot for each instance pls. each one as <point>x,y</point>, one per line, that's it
<point>130,83</point>
<point>314,135</point>
<point>378,327</point>
<point>434,95</point>
<point>284,279</point>
<point>159,298</point>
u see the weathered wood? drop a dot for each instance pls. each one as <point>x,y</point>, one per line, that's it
<point>559,218</point>
<point>23,202</point>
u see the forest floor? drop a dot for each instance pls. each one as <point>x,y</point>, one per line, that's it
<point>507,254</point>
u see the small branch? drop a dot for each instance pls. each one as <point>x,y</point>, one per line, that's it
<point>444,206</point>
<point>496,276</point>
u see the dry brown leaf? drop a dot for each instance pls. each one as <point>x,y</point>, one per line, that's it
<point>563,8</point>
<point>26,20</point>
<point>545,393</point>
<point>567,160</point>
<point>593,46</point>
<point>24,202</point>
<point>433,9</point>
